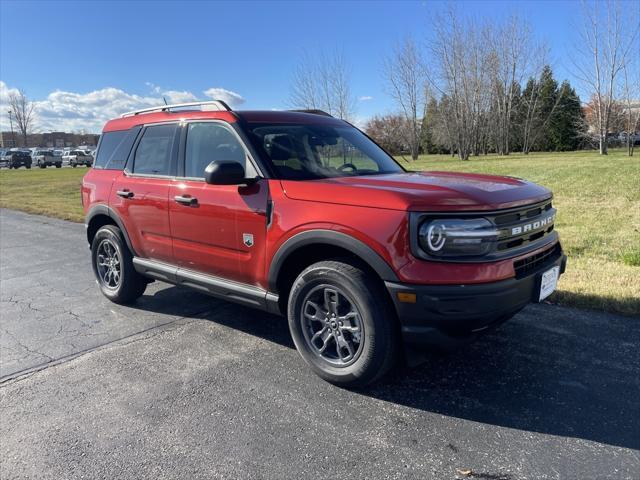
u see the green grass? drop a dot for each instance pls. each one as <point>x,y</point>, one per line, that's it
<point>54,192</point>
<point>598,202</point>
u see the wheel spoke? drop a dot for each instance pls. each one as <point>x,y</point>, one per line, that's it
<point>325,335</point>
<point>331,300</point>
<point>318,314</point>
<point>341,345</point>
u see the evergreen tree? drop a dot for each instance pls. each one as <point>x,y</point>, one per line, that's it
<point>567,121</point>
<point>429,126</point>
<point>547,104</point>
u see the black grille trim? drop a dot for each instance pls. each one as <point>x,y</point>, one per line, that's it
<point>532,263</point>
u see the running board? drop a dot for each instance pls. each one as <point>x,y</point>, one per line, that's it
<point>237,292</point>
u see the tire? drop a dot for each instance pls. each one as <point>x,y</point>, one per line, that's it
<point>42,165</point>
<point>28,167</point>
<point>346,288</point>
<point>129,284</point>
<point>73,165</point>
<point>58,165</point>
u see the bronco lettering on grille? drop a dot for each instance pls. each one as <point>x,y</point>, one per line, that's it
<point>530,227</point>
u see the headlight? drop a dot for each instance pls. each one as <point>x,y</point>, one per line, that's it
<point>452,238</point>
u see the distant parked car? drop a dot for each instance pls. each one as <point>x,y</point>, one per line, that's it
<point>16,158</point>
<point>77,157</point>
<point>46,158</point>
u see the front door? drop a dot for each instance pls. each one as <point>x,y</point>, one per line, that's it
<point>140,195</point>
<point>218,230</point>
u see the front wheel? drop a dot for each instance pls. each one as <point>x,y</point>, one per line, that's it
<point>113,266</point>
<point>342,323</point>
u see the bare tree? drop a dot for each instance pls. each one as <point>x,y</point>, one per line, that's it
<point>631,111</point>
<point>22,110</point>
<point>406,82</point>
<point>460,56</point>
<point>323,83</point>
<point>513,56</point>
<point>607,41</point>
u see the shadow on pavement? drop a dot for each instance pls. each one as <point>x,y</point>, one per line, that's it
<point>550,370</point>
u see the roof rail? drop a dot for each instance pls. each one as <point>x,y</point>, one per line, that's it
<point>213,105</point>
<point>314,111</point>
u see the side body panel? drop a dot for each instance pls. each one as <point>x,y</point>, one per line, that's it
<point>145,215</point>
<point>224,233</point>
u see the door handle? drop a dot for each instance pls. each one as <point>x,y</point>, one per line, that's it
<point>185,200</point>
<point>125,193</point>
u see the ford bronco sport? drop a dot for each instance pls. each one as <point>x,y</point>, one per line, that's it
<point>301,214</point>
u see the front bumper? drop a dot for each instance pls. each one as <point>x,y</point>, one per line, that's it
<point>445,315</point>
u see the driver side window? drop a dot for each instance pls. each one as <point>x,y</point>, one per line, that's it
<point>211,141</point>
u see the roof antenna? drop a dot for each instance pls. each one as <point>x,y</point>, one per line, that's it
<point>165,100</point>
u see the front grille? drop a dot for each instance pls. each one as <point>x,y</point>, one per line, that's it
<point>532,223</point>
<point>532,263</point>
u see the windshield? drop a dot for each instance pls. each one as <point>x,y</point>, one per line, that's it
<point>307,152</point>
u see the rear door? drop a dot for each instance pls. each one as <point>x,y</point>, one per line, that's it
<point>140,194</point>
<point>217,229</point>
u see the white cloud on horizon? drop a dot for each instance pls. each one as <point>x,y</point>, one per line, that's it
<point>71,111</point>
<point>231,98</point>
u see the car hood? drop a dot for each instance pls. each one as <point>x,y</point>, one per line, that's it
<point>420,191</point>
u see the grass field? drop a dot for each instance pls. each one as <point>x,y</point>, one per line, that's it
<point>598,202</point>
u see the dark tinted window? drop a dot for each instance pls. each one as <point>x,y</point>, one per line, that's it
<point>153,154</point>
<point>114,149</point>
<point>211,141</point>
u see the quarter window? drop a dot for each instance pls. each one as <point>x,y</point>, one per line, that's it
<point>114,148</point>
<point>153,154</point>
<point>208,142</point>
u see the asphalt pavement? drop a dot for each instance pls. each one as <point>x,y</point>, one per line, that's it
<point>181,385</point>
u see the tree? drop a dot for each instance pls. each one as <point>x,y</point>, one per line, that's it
<point>607,42</point>
<point>631,112</point>
<point>511,52</point>
<point>567,120</point>
<point>538,102</point>
<point>406,83</point>
<point>323,83</point>
<point>391,132</point>
<point>22,110</point>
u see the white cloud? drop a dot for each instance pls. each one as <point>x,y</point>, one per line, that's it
<point>231,98</point>
<point>72,111</point>
<point>365,98</point>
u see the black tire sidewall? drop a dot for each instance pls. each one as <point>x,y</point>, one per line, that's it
<point>132,284</point>
<point>379,337</point>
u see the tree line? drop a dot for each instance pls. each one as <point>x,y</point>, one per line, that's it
<point>475,87</point>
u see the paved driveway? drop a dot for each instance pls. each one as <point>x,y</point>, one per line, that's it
<point>185,386</point>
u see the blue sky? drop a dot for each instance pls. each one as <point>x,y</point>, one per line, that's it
<point>101,54</point>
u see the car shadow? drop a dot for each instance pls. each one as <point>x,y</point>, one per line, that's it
<point>551,370</point>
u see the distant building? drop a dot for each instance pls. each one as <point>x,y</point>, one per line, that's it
<point>50,140</point>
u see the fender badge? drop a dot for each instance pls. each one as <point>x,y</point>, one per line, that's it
<point>247,239</point>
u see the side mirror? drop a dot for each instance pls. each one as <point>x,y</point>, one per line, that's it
<point>222,172</point>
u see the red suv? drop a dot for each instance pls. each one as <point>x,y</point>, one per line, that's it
<point>301,214</point>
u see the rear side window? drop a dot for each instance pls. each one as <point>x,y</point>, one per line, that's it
<point>114,148</point>
<point>154,151</point>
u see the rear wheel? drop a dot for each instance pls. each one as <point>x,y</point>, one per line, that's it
<point>342,323</point>
<point>58,165</point>
<point>113,266</point>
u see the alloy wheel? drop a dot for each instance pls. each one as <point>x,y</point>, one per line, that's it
<point>332,325</point>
